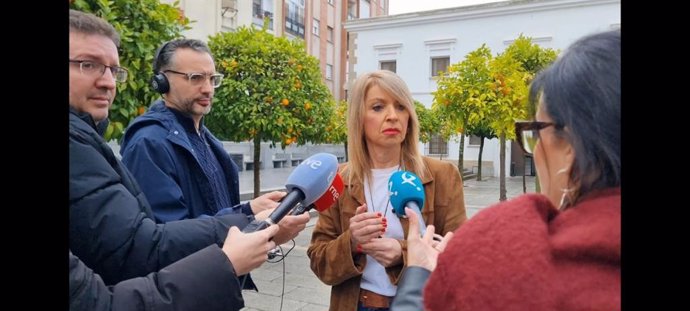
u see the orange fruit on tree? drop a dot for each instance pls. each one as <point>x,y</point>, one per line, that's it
<point>285,102</point>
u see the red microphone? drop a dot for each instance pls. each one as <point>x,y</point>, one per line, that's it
<point>326,200</point>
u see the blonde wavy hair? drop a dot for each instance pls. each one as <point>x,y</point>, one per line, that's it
<point>359,163</point>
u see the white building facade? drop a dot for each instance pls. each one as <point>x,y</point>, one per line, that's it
<point>415,45</point>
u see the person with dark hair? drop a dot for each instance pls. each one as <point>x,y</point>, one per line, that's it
<point>358,246</point>
<point>181,167</point>
<point>558,250</point>
<point>112,234</point>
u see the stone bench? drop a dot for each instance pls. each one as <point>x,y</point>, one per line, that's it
<point>296,159</point>
<point>279,160</point>
<point>249,163</point>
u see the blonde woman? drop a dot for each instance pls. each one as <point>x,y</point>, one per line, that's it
<point>358,246</point>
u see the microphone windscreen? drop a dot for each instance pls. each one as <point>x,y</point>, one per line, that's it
<point>405,186</point>
<point>313,176</point>
<point>331,195</point>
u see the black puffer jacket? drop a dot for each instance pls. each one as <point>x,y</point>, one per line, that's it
<point>111,226</point>
<point>204,280</point>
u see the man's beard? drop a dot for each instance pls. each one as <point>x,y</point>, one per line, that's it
<point>188,106</point>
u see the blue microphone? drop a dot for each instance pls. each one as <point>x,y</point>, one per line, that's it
<point>307,182</point>
<point>406,190</point>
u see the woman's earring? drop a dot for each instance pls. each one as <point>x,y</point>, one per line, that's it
<point>565,198</point>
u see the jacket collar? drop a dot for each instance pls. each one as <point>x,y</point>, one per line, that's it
<point>88,119</point>
<point>357,186</point>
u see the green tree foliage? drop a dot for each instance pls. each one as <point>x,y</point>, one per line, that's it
<point>532,58</point>
<point>489,91</point>
<point>428,123</point>
<point>143,26</point>
<point>512,71</point>
<point>507,104</point>
<point>461,96</point>
<point>337,129</point>
<point>272,92</point>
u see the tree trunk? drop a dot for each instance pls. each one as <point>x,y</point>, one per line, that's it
<point>479,168</point>
<point>257,165</point>
<point>502,174</point>
<point>461,149</point>
<point>346,157</point>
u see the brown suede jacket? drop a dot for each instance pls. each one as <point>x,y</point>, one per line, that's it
<point>330,251</point>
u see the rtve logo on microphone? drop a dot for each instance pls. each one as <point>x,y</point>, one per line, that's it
<point>334,193</point>
<point>313,164</point>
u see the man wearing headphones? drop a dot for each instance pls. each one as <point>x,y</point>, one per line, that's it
<point>181,167</point>
<point>119,258</point>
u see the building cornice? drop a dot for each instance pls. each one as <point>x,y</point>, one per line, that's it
<point>468,12</point>
<point>387,46</point>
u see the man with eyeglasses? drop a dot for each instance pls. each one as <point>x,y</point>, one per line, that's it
<point>116,249</point>
<point>181,166</point>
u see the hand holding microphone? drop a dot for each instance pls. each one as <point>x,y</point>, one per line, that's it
<point>326,200</point>
<point>247,251</point>
<point>298,218</point>
<point>305,185</point>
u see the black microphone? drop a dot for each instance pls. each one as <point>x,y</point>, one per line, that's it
<point>326,200</point>
<point>305,185</point>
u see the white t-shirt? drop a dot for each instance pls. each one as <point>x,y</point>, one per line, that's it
<point>375,278</point>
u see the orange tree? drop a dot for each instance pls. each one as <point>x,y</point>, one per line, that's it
<point>511,72</point>
<point>428,123</point>
<point>483,89</point>
<point>460,96</point>
<point>505,103</point>
<point>336,131</point>
<point>143,25</point>
<point>272,92</point>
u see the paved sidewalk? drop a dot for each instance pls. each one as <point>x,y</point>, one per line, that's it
<point>293,279</point>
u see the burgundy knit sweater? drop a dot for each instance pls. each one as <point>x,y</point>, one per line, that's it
<point>524,254</point>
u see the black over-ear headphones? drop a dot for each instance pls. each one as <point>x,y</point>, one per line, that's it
<point>159,82</point>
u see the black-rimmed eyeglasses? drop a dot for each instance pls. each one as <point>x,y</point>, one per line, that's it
<point>196,78</point>
<point>91,68</point>
<point>527,134</point>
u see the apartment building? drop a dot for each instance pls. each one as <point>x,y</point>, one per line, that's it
<point>318,22</point>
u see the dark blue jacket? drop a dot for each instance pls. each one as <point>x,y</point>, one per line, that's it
<point>158,152</point>
<point>111,226</point>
